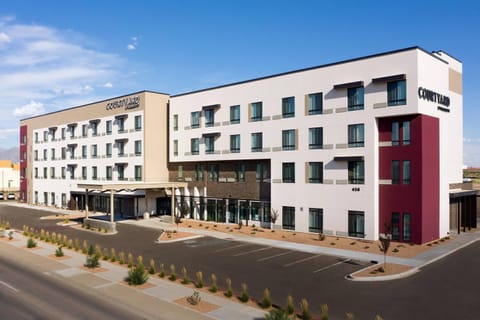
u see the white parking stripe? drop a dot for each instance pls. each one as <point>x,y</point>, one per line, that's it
<point>8,286</point>
<point>228,248</point>
<point>274,256</point>
<point>251,251</point>
<point>331,266</point>
<point>301,260</point>
<point>104,285</point>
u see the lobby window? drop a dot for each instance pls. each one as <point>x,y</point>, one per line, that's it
<point>108,172</point>
<point>213,172</point>
<point>395,133</point>
<point>195,119</point>
<point>121,148</point>
<point>108,150</point>
<point>256,112</point>
<point>235,143</point>
<point>138,173</point>
<point>356,224</point>
<point>397,93</point>
<point>175,148</point>
<point>93,151</point>
<point>315,220</point>
<point>288,139</point>
<point>395,172</point>
<point>194,146</point>
<point>406,172</point>
<point>209,144</point>
<point>64,153</point>
<point>356,172</point>
<point>315,172</point>
<point>63,133</point>
<point>240,172</point>
<point>108,127</point>
<point>175,122</point>
<point>138,123</point>
<point>36,172</point>
<point>94,126</point>
<point>288,107</point>
<point>315,103</point>
<point>84,130</point>
<point>84,152</point>
<point>288,172</point>
<point>36,154</point>
<point>257,142</point>
<point>209,117</point>
<point>199,172</point>
<point>262,174</point>
<point>407,236</point>
<point>121,172</point>
<point>94,173</point>
<point>355,98</point>
<point>234,114</point>
<point>64,172</point>
<point>84,173</point>
<point>52,172</point>
<point>406,133</point>
<point>138,147</point>
<point>356,137</point>
<point>288,218</point>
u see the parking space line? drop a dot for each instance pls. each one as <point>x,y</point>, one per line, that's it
<point>9,286</point>
<point>301,260</point>
<point>332,265</point>
<point>274,256</point>
<point>228,248</point>
<point>251,251</point>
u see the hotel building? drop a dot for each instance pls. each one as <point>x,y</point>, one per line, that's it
<point>343,149</point>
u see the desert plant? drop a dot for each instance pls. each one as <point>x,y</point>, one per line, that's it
<point>121,258</point>
<point>240,224</point>
<point>161,274</point>
<point>199,283</point>
<point>321,237</point>
<point>65,240</point>
<point>277,314</point>
<point>139,260</point>
<point>92,261</point>
<point>324,312</point>
<point>350,316</point>
<point>76,245</point>
<point>113,255</point>
<point>47,237</point>
<point>105,254</point>
<point>91,250</point>
<point>42,235</point>
<point>213,286</point>
<point>377,317</point>
<point>185,276</point>
<point>98,251</point>
<point>58,239</point>
<point>31,243</point>
<point>173,274</point>
<point>305,310</point>
<point>10,235</point>
<point>229,291</point>
<point>177,217</point>
<point>59,252</point>
<point>290,308</point>
<point>70,244</point>
<point>137,275</point>
<point>151,270</point>
<point>244,296</point>
<point>54,237</point>
<point>384,245</point>
<point>130,260</point>
<point>194,299</point>
<point>267,300</point>
<point>274,215</point>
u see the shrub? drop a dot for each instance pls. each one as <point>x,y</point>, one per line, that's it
<point>185,276</point>
<point>199,283</point>
<point>306,315</point>
<point>290,308</point>
<point>266,301</point>
<point>70,244</point>
<point>77,245</point>
<point>105,254</point>
<point>151,270</point>
<point>91,250</point>
<point>25,230</point>
<point>277,314</point>
<point>244,297</point>
<point>121,257</point>
<point>324,314</point>
<point>65,240</point>
<point>229,291</point>
<point>162,271</point>
<point>31,243</point>
<point>113,255</point>
<point>59,252</point>
<point>213,286</point>
<point>98,251</point>
<point>92,261</point>
<point>10,235</point>
<point>137,275</point>
<point>47,236</point>
<point>173,274</point>
<point>194,299</point>
<point>84,247</point>
<point>54,237</point>
<point>130,260</point>
<point>59,239</point>
<point>139,260</point>
<point>42,235</point>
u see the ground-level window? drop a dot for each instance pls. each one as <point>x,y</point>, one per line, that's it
<point>288,218</point>
<point>36,197</point>
<point>52,200</point>
<point>356,224</point>
<point>315,220</point>
<point>64,200</point>
<point>395,226</point>
<point>406,227</point>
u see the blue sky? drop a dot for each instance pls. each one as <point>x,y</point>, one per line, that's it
<point>58,54</point>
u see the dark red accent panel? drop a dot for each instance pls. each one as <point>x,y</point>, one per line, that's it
<point>23,163</point>
<point>421,197</point>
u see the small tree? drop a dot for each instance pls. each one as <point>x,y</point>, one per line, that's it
<point>137,275</point>
<point>324,315</point>
<point>178,216</point>
<point>31,243</point>
<point>385,239</point>
<point>59,252</point>
<point>274,216</point>
<point>213,286</point>
<point>173,273</point>
<point>151,270</point>
<point>244,296</point>
<point>277,314</point>
<point>290,308</point>
<point>185,276</point>
<point>229,291</point>
<point>266,301</point>
<point>199,283</point>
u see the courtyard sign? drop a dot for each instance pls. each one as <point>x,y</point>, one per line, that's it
<point>432,96</point>
<point>126,103</point>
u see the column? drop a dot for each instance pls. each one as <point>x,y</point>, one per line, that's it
<point>112,210</point>
<point>172,204</point>
<point>86,203</point>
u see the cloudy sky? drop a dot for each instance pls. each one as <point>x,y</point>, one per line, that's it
<point>59,54</point>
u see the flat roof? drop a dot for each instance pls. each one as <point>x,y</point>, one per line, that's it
<point>132,185</point>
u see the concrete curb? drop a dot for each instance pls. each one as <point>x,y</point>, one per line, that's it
<point>179,240</point>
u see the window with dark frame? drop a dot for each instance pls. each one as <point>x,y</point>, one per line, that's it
<point>315,138</point>
<point>315,103</point>
<point>397,93</point>
<point>288,107</point>
<point>288,172</point>
<point>355,98</point>
<point>356,224</point>
<point>315,220</point>
<point>288,218</point>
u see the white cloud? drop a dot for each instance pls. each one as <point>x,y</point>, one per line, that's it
<point>108,85</point>
<point>5,133</point>
<point>131,47</point>
<point>4,38</point>
<point>30,109</point>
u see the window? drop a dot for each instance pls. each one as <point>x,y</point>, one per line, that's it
<point>24,155</point>
<point>72,172</point>
<point>24,139</point>
<point>288,140</point>
<point>45,136</point>
<point>121,125</point>
<point>138,123</point>
<point>397,93</point>
<point>84,152</point>
<point>108,150</point>
<point>175,122</point>
<point>45,154</point>
<point>315,220</point>
<point>52,133</point>
<point>121,172</point>
<point>195,119</point>
<point>315,103</point>
<point>315,138</point>
<point>257,143</point>
<point>406,133</point>
<point>108,126</point>
<point>36,155</point>
<point>209,144</point>
<point>355,98</point>
<point>138,147</point>
<point>406,227</point>
<point>94,173</point>
<point>84,173</point>
<point>72,131</point>
<point>395,226</point>
<point>64,153</point>
<point>138,173</point>
<point>64,172</point>
<point>72,151</point>
<point>108,172</point>
<point>234,114</point>
<point>288,172</point>
<point>93,151</point>
<point>36,197</point>
<point>209,117</point>
<point>63,133</point>
<point>120,148</point>
<point>240,172</point>
<point>235,143</point>
<point>180,172</point>
<point>52,172</point>
<point>356,135</point>
<point>36,172</point>
<point>406,172</point>
<point>256,112</point>
<point>356,172</point>
<point>199,172</point>
<point>175,147</point>
<point>52,153</point>
<point>94,127</point>
<point>288,107</point>
<point>84,130</point>
<point>395,133</point>
<point>52,198</point>
<point>64,200</point>
<point>356,224</point>
<point>194,146</point>
<point>213,172</point>
<point>395,172</point>
<point>288,218</point>
<point>45,173</point>
<point>262,173</point>
<point>315,172</point>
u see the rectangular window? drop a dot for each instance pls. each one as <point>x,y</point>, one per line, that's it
<point>356,172</point>
<point>315,172</point>
<point>240,172</point>
<point>355,98</point>
<point>64,172</point>
<point>108,126</point>
<point>395,133</point>
<point>397,93</point>
<point>209,117</point>
<point>199,172</point>
<point>120,172</point>
<point>288,140</point>
<point>52,172</point>
<point>406,133</point>
<point>257,142</point>
<point>356,137</point>
<point>36,172</point>
<point>256,112</point>
<point>63,133</point>
<point>194,146</point>
<point>45,198</point>
<point>84,152</point>
<point>138,147</point>
<point>315,220</point>
<point>108,172</point>
<point>120,148</point>
<point>407,237</point>
<point>45,136</point>
<point>356,224</point>
<point>395,172</point>
<point>52,153</point>
<point>84,130</point>
<point>234,114</point>
<point>234,143</point>
<point>72,131</point>
<point>138,123</point>
<point>94,173</point>
<point>213,172</point>
<point>288,107</point>
<point>64,200</point>
<point>395,226</point>
<point>45,173</point>
<point>94,127</point>
<point>175,148</point>
<point>195,119</point>
<point>121,125</point>
<point>138,173</point>
<point>84,173</point>
<point>72,151</point>
<point>288,218</point>
<point>209,144</point>
<point>93,151</point>
<point>64,153</point>
<point>108,150</point>
<point>52,198</point>
<point>180,172</point>
<point>72,172</point>
<point>288,172</point>
<point>315,103</point>
<point>36,155</point>
<point>406,172</point>
<point>36,137</point>
<point>45,154</point>
<point>175,122</point>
